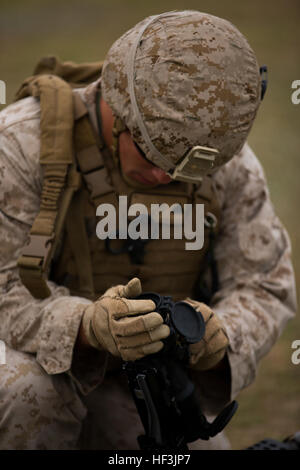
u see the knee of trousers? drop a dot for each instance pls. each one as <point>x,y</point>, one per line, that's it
<point>37,410</point>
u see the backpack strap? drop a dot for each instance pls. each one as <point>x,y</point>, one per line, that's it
<point>65,124</point>
<point>61,179</point>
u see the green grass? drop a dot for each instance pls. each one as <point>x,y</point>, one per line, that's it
<point>270,407</point>
<point>83,31</point>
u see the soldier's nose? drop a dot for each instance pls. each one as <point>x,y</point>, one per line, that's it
<point>160,176</point>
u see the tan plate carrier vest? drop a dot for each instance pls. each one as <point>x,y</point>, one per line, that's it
<point>78,175</point>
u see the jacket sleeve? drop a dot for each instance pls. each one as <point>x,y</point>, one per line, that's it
<point>257,293</point>
<point>47,328</point>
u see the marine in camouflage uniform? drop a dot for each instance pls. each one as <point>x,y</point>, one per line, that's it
<point>57,395</point>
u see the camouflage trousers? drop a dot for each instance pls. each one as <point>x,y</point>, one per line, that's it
<point>41,411</point>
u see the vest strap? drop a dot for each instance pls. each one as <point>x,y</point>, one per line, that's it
<point>89,157</point>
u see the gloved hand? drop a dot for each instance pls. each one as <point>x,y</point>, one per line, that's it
<point>208,352</point>
<point>129,329</point>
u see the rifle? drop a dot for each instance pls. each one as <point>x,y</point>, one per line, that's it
<point>163,393</point>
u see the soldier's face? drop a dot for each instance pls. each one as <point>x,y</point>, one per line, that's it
<point>136,167</point>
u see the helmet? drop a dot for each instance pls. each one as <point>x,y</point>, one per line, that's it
<point>187,86</point>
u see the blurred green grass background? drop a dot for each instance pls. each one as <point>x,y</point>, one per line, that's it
<point>83,31</point>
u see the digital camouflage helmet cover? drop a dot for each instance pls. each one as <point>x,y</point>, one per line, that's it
<point>187,86</point>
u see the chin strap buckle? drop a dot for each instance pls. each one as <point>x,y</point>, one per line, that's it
<point>198,161</point>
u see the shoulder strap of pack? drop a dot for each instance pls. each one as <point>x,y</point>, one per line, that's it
<point>60,178</point>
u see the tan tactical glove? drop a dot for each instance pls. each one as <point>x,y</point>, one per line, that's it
<point>129,329</point>
<point>208,352</point>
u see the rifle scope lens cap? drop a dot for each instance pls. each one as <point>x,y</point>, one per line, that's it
<point>188,322</point>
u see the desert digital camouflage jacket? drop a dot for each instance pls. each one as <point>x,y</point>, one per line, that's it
<point>257,292</point>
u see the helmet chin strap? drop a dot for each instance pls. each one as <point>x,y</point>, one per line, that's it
<point>118,128</point>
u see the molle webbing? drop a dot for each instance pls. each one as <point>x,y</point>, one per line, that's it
<point>167,268</point>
